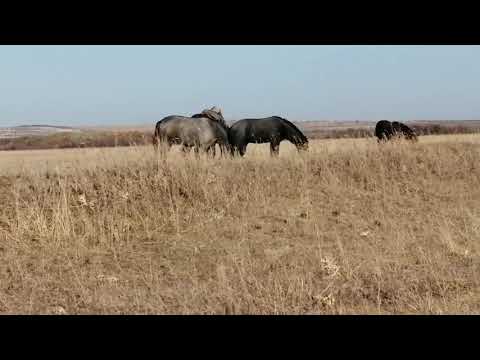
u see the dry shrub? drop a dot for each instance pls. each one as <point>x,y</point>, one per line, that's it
<point>436,129</point>
<point>76,140</point>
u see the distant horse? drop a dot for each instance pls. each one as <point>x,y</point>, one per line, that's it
<point>271,130</point>
<point>386,130</point>
<point>201,131</point>
<point>404,130</point>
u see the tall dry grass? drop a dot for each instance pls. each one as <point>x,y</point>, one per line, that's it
<point>350,227</point>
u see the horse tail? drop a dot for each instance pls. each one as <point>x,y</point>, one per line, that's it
<point>156,134</point>
<point>224,141</point>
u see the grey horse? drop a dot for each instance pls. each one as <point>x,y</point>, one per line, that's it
<point>201,131</point>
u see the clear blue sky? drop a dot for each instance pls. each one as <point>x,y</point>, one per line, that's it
<point>103,85</point>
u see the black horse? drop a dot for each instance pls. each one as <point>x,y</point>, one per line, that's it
<point>272,129</point>
<point>404,130</point>
<point>386,130</point>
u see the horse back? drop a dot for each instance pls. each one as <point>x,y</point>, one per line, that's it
<point>263,130</point>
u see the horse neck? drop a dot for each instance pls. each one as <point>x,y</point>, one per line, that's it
<point>297,141</point>
<point>295,136</point>
<point>222,124</point>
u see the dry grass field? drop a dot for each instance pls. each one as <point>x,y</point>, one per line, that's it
<point>351,227</point>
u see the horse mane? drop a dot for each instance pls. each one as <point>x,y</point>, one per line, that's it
<point>294,128</point>
<point>212,115</point>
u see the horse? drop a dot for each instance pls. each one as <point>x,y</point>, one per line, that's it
<point>404,130</point>
<point>271,130</point>
<point>201,131</point>
<point>386,130</point>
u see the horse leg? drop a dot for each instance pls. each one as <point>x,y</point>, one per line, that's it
<point>211,150</point>
<point>227,150</point>
<point>196,150</point>
<point>223,150</point>
<point>274,148</point>
<point>185,149</point>
<point>155,141</point>
<point>237,149</point>
<point>242,149</point>
<point>162,146</point>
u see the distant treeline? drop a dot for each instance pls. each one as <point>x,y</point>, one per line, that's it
<point>430,129</point>
<point>436,129</point>
<point>76,140</point>
<point>128,138</point>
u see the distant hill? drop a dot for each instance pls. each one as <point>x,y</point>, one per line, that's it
<point>45,126</point>
<point>33,130</point>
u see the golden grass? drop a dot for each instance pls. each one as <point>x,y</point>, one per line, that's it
<point>349,227</point>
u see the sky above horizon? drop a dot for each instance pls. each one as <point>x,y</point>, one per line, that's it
<point>123,85</point>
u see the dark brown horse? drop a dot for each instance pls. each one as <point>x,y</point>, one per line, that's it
<point>267,130</point>
<point>386,130</point>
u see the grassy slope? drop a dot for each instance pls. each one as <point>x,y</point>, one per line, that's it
<point>351,227</point>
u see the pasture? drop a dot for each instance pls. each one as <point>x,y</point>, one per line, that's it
<point>350,227</point>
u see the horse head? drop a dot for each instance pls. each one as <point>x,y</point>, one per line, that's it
<point>303,146</point>
<point>214,113</point>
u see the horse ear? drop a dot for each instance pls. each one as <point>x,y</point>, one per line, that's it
<point>216,109</point>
